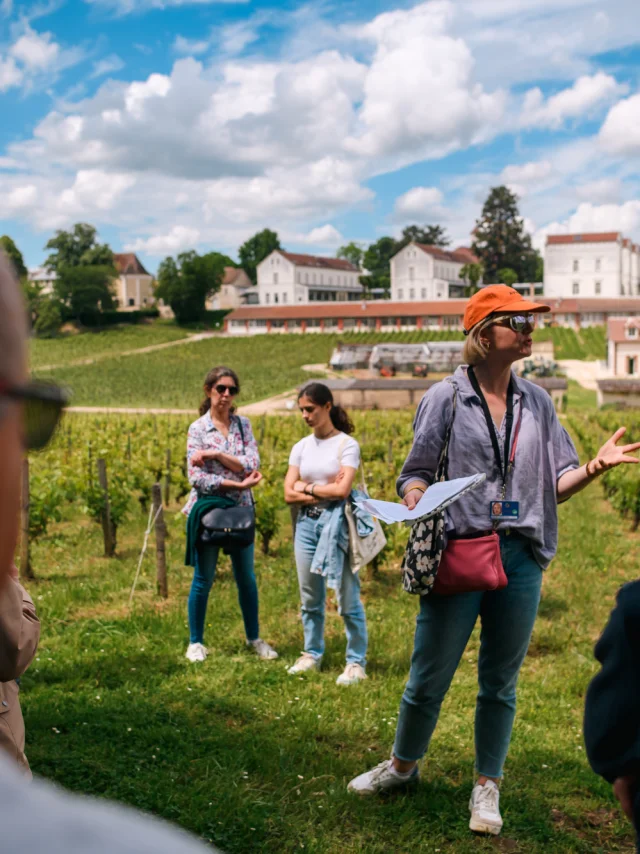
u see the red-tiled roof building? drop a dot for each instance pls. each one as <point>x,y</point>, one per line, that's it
<point>594,264</point>
<point>422,272</point>
<point>134,285</point>
<point>287,278</point>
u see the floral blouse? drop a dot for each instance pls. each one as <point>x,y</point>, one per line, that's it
<point>206,479</point>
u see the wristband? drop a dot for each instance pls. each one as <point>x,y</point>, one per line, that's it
<point>419,487</point>
<point>306,486</point>
<point>312,488</point>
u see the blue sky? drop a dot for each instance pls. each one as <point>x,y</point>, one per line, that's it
<point>178,124</point>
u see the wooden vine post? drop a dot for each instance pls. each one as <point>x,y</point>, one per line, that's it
<point>107,527</point>
<point>26,570</point>
<point>167,479</point>
<point>161,533</point>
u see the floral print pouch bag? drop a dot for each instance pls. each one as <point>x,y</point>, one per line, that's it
<point>426,540</point>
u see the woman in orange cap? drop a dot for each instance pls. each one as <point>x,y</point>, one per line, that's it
<point>506,427</point>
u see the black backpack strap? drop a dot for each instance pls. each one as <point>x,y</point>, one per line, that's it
<point>244,448</point>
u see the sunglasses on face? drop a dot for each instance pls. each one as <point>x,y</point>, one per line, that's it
<point>517,322</point>
<point>43,406</point>
<point>232,389</point>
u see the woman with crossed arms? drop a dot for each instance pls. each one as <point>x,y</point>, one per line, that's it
<point>546,471</point>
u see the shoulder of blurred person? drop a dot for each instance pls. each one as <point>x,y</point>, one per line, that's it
<point>39,816</point>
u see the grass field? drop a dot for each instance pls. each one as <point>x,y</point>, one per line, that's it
<point>90,345</point>
<point>267,365</point>
<point>254,760</point>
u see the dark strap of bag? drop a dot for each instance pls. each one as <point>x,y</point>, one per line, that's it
<point>244,448</point>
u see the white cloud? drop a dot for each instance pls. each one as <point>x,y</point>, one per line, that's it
<point>96,189</point>
<point>578,101</point>
<point>324,235</point>
<point>527,172</point>
<point>620,133</point>
<point>36,51</point>
<point>108,65</point>
<point>419,203</point>
<point>10,74</point>
<point>179,239</point>
<point>22,197</point>
<point>190,47</point>
<point>601,191</point>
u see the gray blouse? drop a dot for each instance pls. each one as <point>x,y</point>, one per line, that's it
<point>543,454</point>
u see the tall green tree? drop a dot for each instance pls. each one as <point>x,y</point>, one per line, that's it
<point>471,273</point>
<point>431,235</point>
<point>85,290</point>
<point>500,239</point>
<point>507,276</point>
<point>185,283</point>
<point>78,247</point>
<point>376,262</point>
<point>256,249</point>
<point>352,252</point>
<point>15,256</point>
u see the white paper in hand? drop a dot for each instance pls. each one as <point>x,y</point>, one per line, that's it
<point>435,499</point>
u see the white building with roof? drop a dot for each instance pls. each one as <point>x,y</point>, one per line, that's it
<point>422,272</point>
<point>286,278</point>
<point>43,277</point>
<point>233,291</point>
<point>602,264</point>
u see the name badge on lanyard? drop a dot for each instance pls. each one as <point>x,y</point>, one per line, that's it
<point>501,510</point>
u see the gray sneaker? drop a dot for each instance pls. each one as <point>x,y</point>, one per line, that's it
<point>382,778</point>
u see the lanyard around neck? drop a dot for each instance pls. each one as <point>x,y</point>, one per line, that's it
<point>504,463</point>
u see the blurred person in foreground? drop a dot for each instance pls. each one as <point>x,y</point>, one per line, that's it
<point>19,635</point>
<point>612,709</point>
<point>40,816</point>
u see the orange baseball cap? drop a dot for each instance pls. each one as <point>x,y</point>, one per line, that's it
<point>494,298</point>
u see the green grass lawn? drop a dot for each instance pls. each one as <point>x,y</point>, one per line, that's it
<point>255,760</point>
<point>111,341</point>
<point>590,343</point>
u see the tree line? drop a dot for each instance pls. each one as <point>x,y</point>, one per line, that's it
<point>85,270</point>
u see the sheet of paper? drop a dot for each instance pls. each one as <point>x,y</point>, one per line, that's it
<point>435,499</point>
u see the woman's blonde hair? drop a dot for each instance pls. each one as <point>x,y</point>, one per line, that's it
<point>474,351</point>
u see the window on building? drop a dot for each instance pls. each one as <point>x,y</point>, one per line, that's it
<point>412,293</point>
<point>275,297</point>
<point>631,365</point>
<point>275,278</point>
<point>267,298</point>
<point>400,293</point>
<point>131,301</point>
<point>576,265</point>
<point>411,273</point>
<point>284,296</point>
<point>632,331</point>
<point>597,265</point>
<point>306,278</point>
<point>575,288</point>
<point>298,279</point>
<point>423,293</point>
<point>598,287</point>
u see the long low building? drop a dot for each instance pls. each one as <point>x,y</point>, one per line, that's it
<point>383,315</point>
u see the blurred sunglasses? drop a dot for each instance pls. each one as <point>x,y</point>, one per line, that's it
<point>517,322</point>
<point>232,389</point>
<point>43,406</point>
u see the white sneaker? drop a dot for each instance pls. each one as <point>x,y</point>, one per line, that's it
<point>263,649</point>
<point>196,652</point>
<point>485,809</point>
<point>352,673</point>
<point>304,663</point>
<point>382,778</point>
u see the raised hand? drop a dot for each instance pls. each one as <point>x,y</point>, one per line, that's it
<point>610,455</point>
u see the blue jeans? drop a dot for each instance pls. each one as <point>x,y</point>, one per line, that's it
<point>313,592</point>
<point>443,628</point>
<point>203,576</point>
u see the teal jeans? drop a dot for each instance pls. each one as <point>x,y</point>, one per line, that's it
<point>443,628</point>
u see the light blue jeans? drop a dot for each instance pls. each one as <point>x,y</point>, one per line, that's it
<point>443,627</point>
<point>313,593</point>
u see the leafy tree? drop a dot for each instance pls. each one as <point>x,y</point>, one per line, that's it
<point>376,263</point>
<point>85,290</point>
<point>78,247</point>
<point>186,282</point>
<point>500,238</point>
<point>49,318</point>
<point>352,252</point>
<point>14,255</point>
<point>472,273</point>
<point>507,276</point>
<point>256,249</point>
<point>431,235</point>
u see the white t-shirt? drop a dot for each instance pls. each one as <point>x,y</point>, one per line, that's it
<point>320,460</point>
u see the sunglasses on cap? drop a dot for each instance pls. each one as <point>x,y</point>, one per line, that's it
<point>517,322</point>
<point>43,406</point>
<point>221,388</point>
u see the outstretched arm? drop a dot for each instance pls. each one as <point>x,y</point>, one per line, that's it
<point>609,456</point>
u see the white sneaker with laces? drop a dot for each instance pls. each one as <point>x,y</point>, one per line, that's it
<point>485,809</point>
<point>304,663</point>
<point>196,652</point>
<point>263,649</point>
<point>382,778</point>
<point>353,673</point>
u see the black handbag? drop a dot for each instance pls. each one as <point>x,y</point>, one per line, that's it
<point>230,527</point>
<point>426,541</point>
